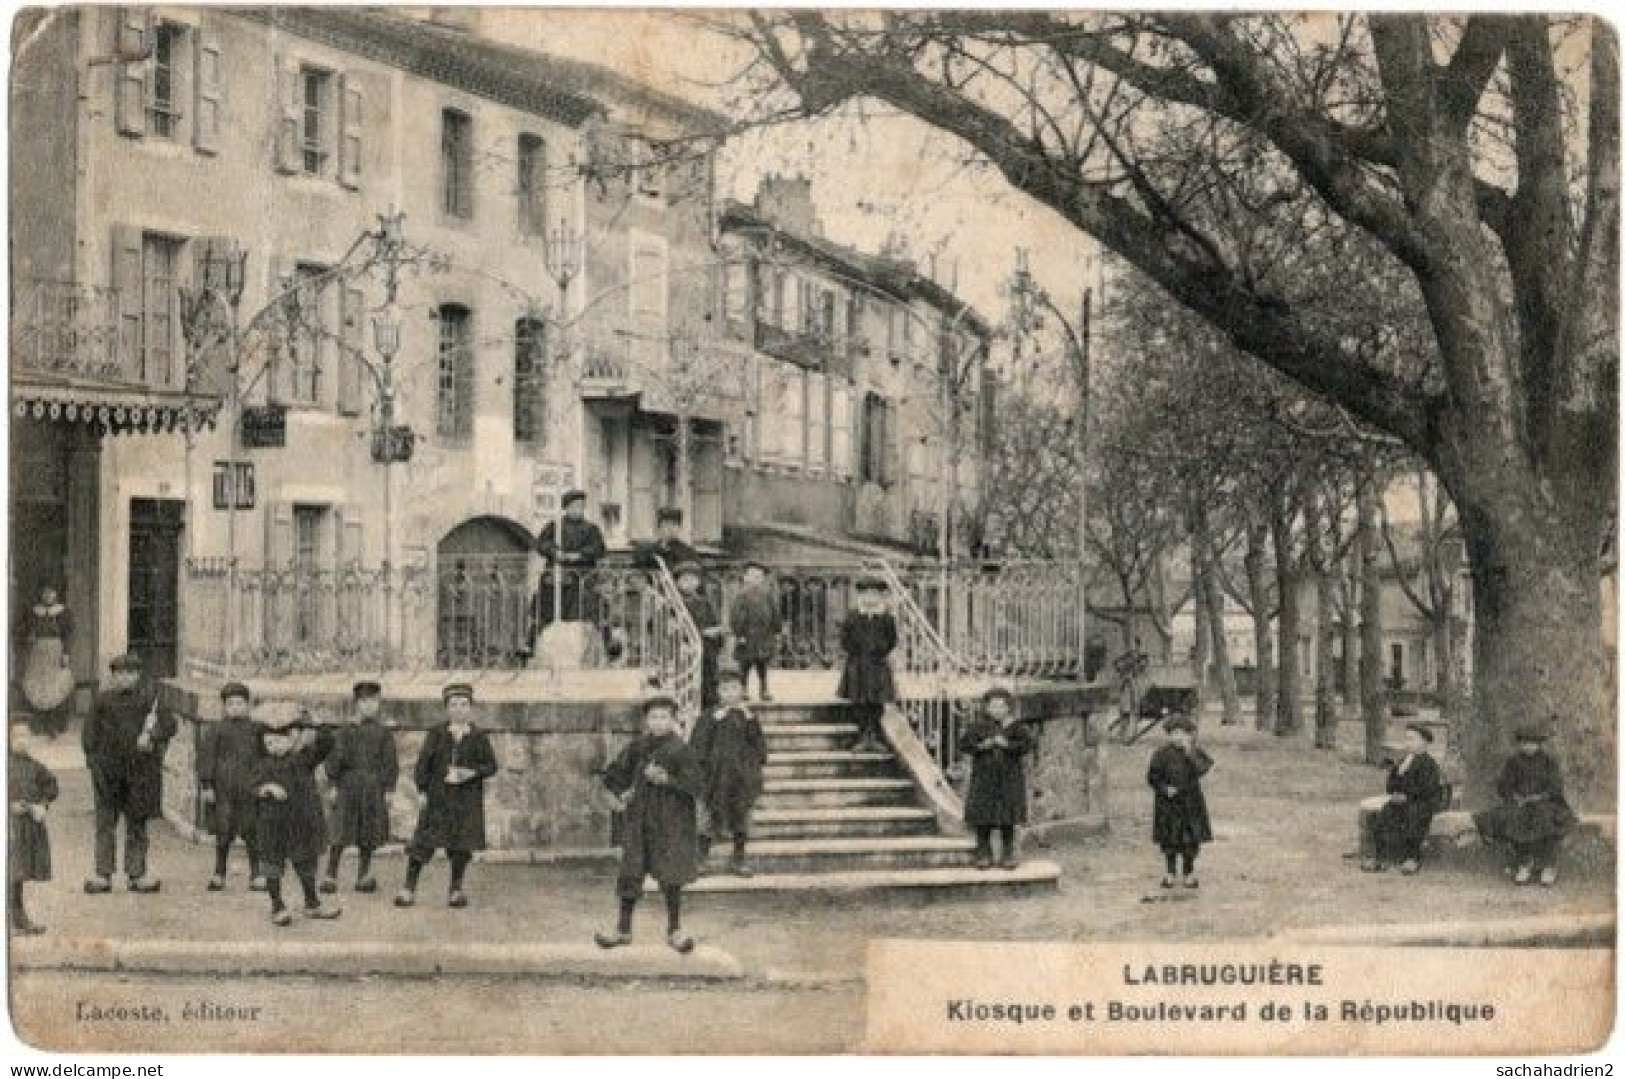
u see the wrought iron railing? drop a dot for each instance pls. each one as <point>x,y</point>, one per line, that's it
<point>928,674</point>
<point>66,328</point>
<point>672,647</point>
<point>1011,619</point>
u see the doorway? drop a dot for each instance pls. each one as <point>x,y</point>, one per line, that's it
<point>153,625</point>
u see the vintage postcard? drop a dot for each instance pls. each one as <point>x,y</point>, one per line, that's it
<point>926,531</point>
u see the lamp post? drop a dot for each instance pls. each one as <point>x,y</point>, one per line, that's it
<point>562,252</point>
<point>386,339</point>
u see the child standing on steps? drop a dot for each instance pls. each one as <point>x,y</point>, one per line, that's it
<point>868,637</point>
<point>731,750</point>
<point>690,585</point>
<point>655,780</point>
<point>364,767</point>
<point>753,620</point>
<point>30,789</point>
<point>997,742</point>
<point>289,814</point>
<point>1179,824</point>
<point>225,769</point>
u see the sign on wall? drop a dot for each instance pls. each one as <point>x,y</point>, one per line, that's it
<point>264,427</point>
<point>550,481</point>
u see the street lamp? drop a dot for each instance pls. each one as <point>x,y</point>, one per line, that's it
<point>388,445</point>
<point>562,252</point>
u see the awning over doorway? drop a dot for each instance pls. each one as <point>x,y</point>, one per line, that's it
<point>106,406</point>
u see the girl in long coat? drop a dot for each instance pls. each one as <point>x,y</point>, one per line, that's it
<point>656,781</point>
<point>731,750</point>
<point>30,788</point>
<point>997,742</point>
<point>1414,790</point>
<point>226,756</point>
<point>1534,813</point>
<point>364,768</point>
<point>47,681</point>
<point>451,770</point>
<point>868,636</point>
<point>1179,820</point>
<point>289,816</point>
<point>754,620</point>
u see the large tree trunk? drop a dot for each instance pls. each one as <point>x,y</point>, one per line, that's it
<point>1288,706</point>
<point>1223,672</point>
<point>1263,637</point>
<point>1373,694</point>
<point>1325,638</point>
<point>1351,635</point>
<point>1200,632</point>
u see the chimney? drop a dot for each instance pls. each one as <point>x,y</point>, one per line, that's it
<point>787,202</point>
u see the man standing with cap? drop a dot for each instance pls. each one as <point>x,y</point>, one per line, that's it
<point>225,767</point>
<point>669,546</point>
<point>570,550</point>
<point>363,767</point>
<point>124,739</point>
<point>451,771</point>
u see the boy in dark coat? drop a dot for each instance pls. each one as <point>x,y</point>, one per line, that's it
<point>1394,825</point>
<point>1179,822</point>
<point>868,636</point>
<point>456,760</point>
<point>753,620</point>
<point>655,781</point>
<point>996,742</point>
<point>125,739</point>
<point>1534,814</point>
<point>363,769</point>
<point>705,618</point>
<point>669,546</point>
<point>731,750</point>
<point>289,814</point>
<point>30,788</point>
<point>571,547</point>
<point>225,767</point>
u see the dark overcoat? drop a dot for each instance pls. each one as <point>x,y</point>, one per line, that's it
<point>453,815</point>
<point>753,618</point>
<point>705,618</point>
<point>659,834</point>
<point>673,552</point>
<point>577,549</point>
<point>998,779</point>
<point>226,758</point>
<point>1400,826</point>
<point>363,768</point>
<point>1533,807</point>
<point>1179,821</point>
<point>868,640</point>
<point>123,776</point>
<point>731,750</point>
<point>28,853</point>
<point>291,829</point>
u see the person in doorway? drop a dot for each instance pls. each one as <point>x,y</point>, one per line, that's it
<point>571,551</point>
<point>655,780</point>
<point>1179,820</point>
<point>669,546</point>
<point>690,585</point>
<point>754,622</point>
<point>732,751</point>
<point>289,815</point>
<point>456,760</point>
<point>47,681</point>
<point>30,789</point>
<point>1534,814</point>
<point>868,637</point>
<point>1395,824</point>
<point>363,768</point>
<point>227,755</point>
<point>998,744</point>
<point>125,739</point>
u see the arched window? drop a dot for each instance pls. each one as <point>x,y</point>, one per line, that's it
<point>454,373</point>
<point>529,381</point>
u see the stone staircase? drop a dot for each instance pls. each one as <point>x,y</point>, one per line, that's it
<point>833,819</point>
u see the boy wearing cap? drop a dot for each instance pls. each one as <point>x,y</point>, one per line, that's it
<point>1394,825</point>
<point>655,781</point>
<point>125,738</point>
<point>363,768</point>
<point>30,789</point>
<point>225,765</point>
<point>289,811</point>
<point>1179,820</point>
<point>868,636</point>
<point>731,750</point>
<point>996,742</point>
<point>689,580</point>
<point>572,550</point>
<point>450,775</point>
<point>753,620</point>
<point>669,546</point>
<point>1534,814</point>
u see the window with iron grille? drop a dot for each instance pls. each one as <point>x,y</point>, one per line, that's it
<point>457,163</point>
<point>529,380</point>
<point>163,116</point>
<point>315,122</point>
<point>532,185</point>
<point>454,373</point>
<point>160,256</point>
<point>308,524</point>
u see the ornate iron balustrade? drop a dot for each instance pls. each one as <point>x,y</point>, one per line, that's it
<point>671,645</point>
<point>1015,619</point>
<point>927,670</point>
<point>64,328</point>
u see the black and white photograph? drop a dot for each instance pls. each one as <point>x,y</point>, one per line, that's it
<point>541,531</point>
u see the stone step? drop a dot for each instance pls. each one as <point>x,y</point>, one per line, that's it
<point>847,821</point>
<point>802,711</point>
<point>827,764</point>
<point>1037,875</point>
<point>840,853</point>
<point>809,736</point>
<point>837,791</point>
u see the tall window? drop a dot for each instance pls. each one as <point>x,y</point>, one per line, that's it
<point>162,114</point>
<point>454,373</point>
<point>529,380</point>
<point>532,185</point>
<point>457,163</point>
<point>875,466</point>
<point>315,117</point>
<point>307,560</point>
<point>310,334</point>
<point>736,292</point>
<point>160,256</point>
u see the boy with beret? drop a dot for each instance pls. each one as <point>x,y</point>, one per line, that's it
<point>655,780</point>
<point>30,789</point>
<point>572,548</point>
<point>754,621</point>
<point>997,742</point>
<point>450,774</point>
<point>1534,813</point>
<point>669,546</point>
<point>1395,824</point>
<point>868,636</point>
<point>1179,820</point>
<point>363,769</point>
<point>289,813</point>
<point>225,766</point>
<point>731,750</point>
<point>125,739</point>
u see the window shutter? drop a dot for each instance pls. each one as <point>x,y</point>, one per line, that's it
<point>893,436</point>
<point>288,154</point>
<point>206,90</point>
<point>347,535</point>
<point>350,344</point>
<point>840,435</point>
<point>134,37</point>
<point>465,378</point>
<point>351,119</point>
<point>278,551</point>
<point>126,278</point>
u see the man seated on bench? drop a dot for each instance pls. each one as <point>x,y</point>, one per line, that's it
<point>1393,825</point>
<point>1533,815</point>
